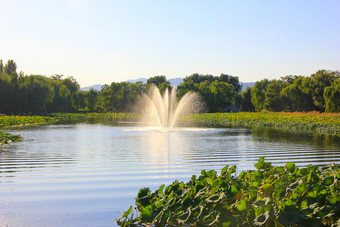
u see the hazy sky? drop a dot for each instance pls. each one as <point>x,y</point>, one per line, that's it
<point>100,42</point>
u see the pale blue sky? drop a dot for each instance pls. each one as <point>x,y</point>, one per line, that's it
<point>105,41</point>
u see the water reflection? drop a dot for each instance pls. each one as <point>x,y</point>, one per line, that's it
<point>287,136</point>
<point>83,174</point>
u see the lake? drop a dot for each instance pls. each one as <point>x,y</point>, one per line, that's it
<point>84,174</point>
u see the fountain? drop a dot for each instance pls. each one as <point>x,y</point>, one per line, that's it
<point>162,111</point>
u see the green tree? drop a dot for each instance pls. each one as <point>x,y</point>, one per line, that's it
<point>157,80</point>
<point>10,67</point>
<point>91,99</point>
<point>332,97</point>
<point>1,66</point>
<point>233,80</point>
<point>78,100</point>
<point>57,77</point>
<point>198,78</point>
<point>223,95</point>
<point>258,94</point>
<point>35,93</point>
<point>105,98</point>
<point>273,100</point>
<point>298,95</point>
<point>244,102</point>
<point>320,80</point>
<point>5,93</point>
<point>187,86</point>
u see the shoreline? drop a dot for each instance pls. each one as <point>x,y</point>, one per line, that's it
<point>296,122</point>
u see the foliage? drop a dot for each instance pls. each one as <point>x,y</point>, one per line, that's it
<point>244,101</point>
<point>198,78</point>
<point>10,67</point>
<point>38,94</point>
<point>157,80</point>
<point>332,97</point>
<point>273,100</point>
<point>258,94</point>
<point>120,97</point>
<point>217,92</point>
<point>10,121</point>
<point>314,122</point>
<point>1,66</point>
<point>7,138</point>
<point>268,196</point>
<point>298,95</point>
<point>320,80</point>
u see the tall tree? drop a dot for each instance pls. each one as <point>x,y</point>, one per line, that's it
<point>233,80</point>
<point>198,78</point>
<point>258,94</point>
<point>1,66</point>
<point>245,103</point>
<point>57,77</point>
<point>157,80</point>
<point>332,97</point>
<point>223,95</point>
<point>273,100</point>
<point>298,95</point>
<point>10,67</point>
<point>91,99</point>
<point>320,80</point>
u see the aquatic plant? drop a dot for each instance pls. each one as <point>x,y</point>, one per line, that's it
<point>10,121</point>
<point>7,138</point>
<point>312,122</point>
<point>268,196</point>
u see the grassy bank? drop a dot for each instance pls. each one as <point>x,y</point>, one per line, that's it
<point>313,122</point>
<point>269,196</point>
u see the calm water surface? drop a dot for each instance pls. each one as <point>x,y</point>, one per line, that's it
<point>84,174</point>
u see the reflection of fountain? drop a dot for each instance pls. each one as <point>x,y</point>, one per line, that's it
<point>163,111</point>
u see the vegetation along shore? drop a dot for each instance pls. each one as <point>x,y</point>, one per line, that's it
<point>268,196</point>
<point>312,122</point>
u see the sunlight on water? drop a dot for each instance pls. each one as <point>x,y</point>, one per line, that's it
<point>84,174</point>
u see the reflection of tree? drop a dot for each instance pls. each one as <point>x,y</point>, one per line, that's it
<point>300,148</point>
<point>295,136</point>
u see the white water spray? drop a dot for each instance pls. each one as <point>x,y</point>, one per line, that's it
<point>163,111</point>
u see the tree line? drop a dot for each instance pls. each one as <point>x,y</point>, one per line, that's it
<point>37,94</point>
<point>318,92</point>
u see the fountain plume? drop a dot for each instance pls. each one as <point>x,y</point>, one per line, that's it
<point>164,110</point>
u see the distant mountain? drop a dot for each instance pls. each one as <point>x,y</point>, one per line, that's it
<point>97,87</point>
<point>174,82</point>
<point>246,84</point>
<point>137,80</point>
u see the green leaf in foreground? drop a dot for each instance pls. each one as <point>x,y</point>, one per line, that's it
<point>242,206</point>
<point>269,196</point>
